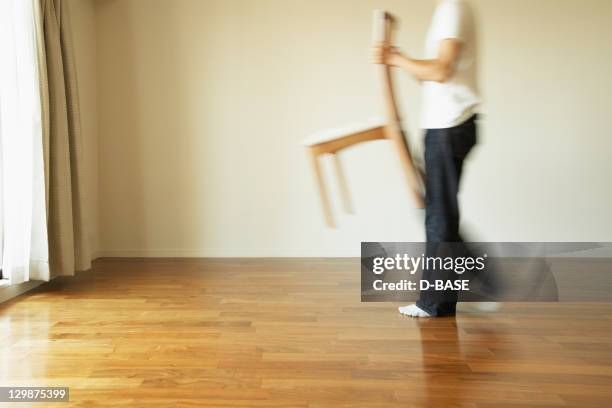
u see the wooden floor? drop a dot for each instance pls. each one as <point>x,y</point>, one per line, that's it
<point>290,333</point>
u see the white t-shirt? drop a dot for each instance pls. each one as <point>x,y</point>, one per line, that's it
<point>453,102</point>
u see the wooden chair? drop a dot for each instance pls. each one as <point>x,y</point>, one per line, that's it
<point>332,141</point>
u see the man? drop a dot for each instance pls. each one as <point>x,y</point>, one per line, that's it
<point>450,97</point>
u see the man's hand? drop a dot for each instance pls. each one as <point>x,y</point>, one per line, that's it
<point>386,55</point>
<point>440,69</point>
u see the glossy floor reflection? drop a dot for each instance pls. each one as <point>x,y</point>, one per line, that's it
<point>290,333</point>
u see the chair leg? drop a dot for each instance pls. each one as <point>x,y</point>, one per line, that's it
<point>344,191</point>
<point>327,214</point>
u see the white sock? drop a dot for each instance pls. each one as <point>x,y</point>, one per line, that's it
<point>414,311</point>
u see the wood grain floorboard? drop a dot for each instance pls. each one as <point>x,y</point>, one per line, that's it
<point>290,333</point>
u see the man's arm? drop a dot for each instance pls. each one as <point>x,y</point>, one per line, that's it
<point>440,69</point>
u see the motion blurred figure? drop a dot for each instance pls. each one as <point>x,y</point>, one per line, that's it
<point>448,116</point>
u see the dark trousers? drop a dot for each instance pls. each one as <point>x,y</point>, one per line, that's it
<point>445,151</point>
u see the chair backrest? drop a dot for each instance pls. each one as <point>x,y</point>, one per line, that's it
<point>382,32</point>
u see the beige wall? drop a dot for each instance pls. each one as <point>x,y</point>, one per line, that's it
<point>84,37</point>
<point>202,105</point>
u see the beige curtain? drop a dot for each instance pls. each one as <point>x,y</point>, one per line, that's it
<point>69,249</point>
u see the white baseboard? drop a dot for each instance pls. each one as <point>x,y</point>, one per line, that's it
<point>9,292</point>
<point>228,253</point>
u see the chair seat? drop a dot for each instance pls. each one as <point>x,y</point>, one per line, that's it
<point>329,135</point>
